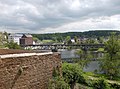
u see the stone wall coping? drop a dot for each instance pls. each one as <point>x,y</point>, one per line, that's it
<point>23,54</point>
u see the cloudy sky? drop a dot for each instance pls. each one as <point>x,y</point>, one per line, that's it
<point>46,16</point>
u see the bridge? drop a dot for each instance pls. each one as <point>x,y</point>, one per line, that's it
<point>62,46</point>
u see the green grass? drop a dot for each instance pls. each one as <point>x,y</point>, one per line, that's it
<point>99,75</point>
<point>100,49</point>
<point>47,41</point>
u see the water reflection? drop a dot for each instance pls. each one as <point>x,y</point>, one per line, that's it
<point>68,55</point>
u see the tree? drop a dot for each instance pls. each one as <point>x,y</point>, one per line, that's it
<point>6,34</point>
<point>110,63</point>
<point>59,38</point>
<point>80,53</point>
<point>12,45</point>
<point>36,39</point>
<point>72,73</point>
<point>3,39</point>
<point>85,57</point>
<point>76,39</point>
<point>68,40</point>
<point>100,39</point>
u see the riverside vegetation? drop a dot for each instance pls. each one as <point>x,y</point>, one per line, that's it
<point>73,76</point>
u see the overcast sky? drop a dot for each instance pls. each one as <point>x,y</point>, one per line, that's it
<point>46,16</point>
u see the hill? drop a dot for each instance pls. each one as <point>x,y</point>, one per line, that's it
<point>88,34</point>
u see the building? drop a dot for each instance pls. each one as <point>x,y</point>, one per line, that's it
<point>15,37</point>
<point>26,39</point>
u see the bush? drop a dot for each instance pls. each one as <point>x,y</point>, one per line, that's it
<point>82,80</point>
<point>58,83</point>
<point>101,84</point>
<point>72,74</point>
<point>12,45</point>
<point>115,86</point>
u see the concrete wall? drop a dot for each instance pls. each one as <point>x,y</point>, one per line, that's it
<point>27,71</point>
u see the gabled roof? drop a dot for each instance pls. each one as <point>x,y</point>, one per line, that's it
<point>27,35</point>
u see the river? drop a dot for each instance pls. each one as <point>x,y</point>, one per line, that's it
<point>68,55</point>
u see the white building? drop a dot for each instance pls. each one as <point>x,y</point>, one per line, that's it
<point>15,37</point>
<point>72,40</point>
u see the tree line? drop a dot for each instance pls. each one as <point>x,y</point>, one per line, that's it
<point>87,34</point>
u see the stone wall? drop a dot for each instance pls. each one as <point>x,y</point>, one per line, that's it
<point>27,72</point>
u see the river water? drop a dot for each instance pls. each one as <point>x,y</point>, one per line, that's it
<point>68,55</point>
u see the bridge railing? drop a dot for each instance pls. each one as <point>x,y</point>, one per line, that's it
<point>62,46</point>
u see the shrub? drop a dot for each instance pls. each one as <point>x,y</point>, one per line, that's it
<point>101,84</point>
<point>115,86</point>
<point>58,83</point>
<point>12,45</point>
<point>72,73</point>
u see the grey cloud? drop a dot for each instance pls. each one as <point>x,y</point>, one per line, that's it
<point>41,14</point>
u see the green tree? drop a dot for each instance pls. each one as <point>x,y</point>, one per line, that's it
<point>59,39</point>
<point>68,40</point>
<point>3,39</point>
<point>36,39</point>
<point>72,73</point>
<point>80,53</point>
<point>85,57</point>
<point>76,39</point>
<point>6,34</point>
<point>110,63</point>
<point>100,39</point>
<point>12,45</point>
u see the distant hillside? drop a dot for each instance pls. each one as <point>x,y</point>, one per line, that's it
<point>99,33</point>
<point>88,34</point>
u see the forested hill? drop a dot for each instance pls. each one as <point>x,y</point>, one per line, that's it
<point>96,33</point>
